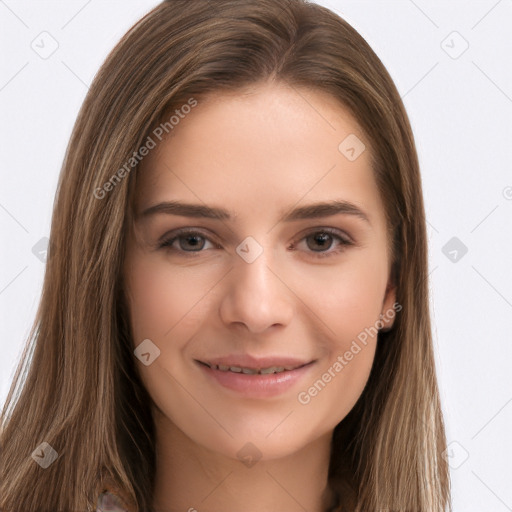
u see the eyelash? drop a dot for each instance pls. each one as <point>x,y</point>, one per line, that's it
<point>344,242</point>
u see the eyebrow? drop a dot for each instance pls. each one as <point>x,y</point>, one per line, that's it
<point>312,211</point>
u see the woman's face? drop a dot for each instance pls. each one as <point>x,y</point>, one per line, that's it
<point>267,275</point>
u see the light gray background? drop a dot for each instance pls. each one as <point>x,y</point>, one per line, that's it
<point>460,104</point>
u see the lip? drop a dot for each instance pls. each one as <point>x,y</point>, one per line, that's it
<point>258,385</point>
<point>248,361</point>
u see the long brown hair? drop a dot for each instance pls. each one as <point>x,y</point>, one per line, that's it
<point>77,387</point>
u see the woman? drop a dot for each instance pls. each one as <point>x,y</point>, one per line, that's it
<point>199,344</point>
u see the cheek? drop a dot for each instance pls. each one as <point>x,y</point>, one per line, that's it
<point>349,310</point>
<point>167,304</point>
<point>348,297</point>
<point>347,301</point>
<point>165,299</point>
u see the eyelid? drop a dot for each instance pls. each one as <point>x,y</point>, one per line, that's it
<point>331,231</point>
<point>166,241</point>
<point>182,231</point>
<point>344,241</point>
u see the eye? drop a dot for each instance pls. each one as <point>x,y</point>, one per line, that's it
<point>188,241</point>
<point>320,240</point>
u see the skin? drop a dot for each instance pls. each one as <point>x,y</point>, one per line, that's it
<point>259,154</point>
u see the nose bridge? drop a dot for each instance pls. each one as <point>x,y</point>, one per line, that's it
<point>255,295</point>
<point>253,268</point>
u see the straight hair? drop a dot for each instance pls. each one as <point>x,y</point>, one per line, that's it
<point>77,387</point>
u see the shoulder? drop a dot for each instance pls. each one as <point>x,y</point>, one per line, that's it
<point>110,502</point>
<point>111,495</point>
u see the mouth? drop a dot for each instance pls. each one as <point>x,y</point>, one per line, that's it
<point>267,378</point>
<point>252,370</point>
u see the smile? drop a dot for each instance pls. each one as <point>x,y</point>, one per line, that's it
<point>258,383</point>
<point>252,371</point>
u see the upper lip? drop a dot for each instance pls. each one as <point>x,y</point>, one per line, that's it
<point>247,361</point>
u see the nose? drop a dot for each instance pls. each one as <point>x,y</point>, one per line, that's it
<point>256,295</point>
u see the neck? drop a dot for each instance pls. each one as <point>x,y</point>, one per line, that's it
<point>190,477</point>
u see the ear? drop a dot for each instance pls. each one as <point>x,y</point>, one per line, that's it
<point>389,306</point>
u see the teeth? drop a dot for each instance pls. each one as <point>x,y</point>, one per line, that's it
<point>249,370</point>
<point>252,371</point>
<point>273,369</point>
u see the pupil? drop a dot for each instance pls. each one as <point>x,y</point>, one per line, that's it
<point>323,237</point>
<point>195,244</point>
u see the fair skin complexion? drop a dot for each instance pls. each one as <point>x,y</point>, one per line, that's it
<point>258,154</point>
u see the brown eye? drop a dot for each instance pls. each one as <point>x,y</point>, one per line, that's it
<point>193,242</point>
<point>321,240</point>
<point>188,241</point>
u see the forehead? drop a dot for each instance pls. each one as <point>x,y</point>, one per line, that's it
<point>258,149</point>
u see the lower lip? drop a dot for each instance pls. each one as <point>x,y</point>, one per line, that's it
<point>256,385</point>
